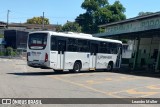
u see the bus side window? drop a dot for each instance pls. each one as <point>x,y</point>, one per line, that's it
<point>83,45</point>
<point>94,48</point>
<point>61,46</point>
<point>53,43</point>
<point>103,46</point>
<point>107,48</point>
<point>72,45</point>
<point>113,48</point>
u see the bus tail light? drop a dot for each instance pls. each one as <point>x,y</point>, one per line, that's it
<point>46,57</point>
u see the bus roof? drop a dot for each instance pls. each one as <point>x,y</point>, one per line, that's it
<point>78,35</point>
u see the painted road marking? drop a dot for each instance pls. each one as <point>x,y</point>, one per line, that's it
<point>154,87</point>
<point>84,86</point>
<point>101,81</point>
<point>91,82</point>
<point>134,91</point>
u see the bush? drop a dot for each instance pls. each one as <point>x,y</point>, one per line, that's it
<point>1,36</point>
<point>2,53</point>
<point>13,53</point>
<point>9,51</point>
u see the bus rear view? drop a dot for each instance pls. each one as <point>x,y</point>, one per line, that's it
<point>36,50</point>
<point>73,52</point>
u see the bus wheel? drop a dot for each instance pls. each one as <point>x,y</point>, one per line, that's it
<point>77,67</point>
<point>110,66</point>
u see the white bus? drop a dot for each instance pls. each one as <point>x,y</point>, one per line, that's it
<point>72,51</point>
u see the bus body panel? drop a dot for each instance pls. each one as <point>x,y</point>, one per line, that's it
<point>37,58</point>
<point>71,57</point>
<point>92,62</point>
<point>104,59</point>
<point>35,55</point>
<point>54,59</point>
<point>59,58</point>
<point>60,61</point>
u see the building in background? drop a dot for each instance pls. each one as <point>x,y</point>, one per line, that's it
<point>144,31</point>
<point>16,39</point>
<point>15,35</point>
<point>31,27</point>
<point>24,26</point>
<point>2,25</point>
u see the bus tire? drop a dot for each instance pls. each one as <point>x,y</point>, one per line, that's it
<point>110,66</point>
<point>77,67</point>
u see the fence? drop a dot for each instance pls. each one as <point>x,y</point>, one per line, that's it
<point>13,52</point>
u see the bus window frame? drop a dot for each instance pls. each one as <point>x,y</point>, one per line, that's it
<point>45,45</point>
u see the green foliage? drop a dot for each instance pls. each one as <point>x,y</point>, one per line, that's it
<point>38,20</point>
<point>124,41</point>
<point>71,26</point>
<point>101,30</point>
<point>85,21</point>
<point>144,13</point>
<point>1,36</point>
<point>93,5</point>
<point>9,51</point>
<point>117,10</point>
<point>103,16</point>
<point>99,12</point>
<point>2,53</point>
<point>58,28</point>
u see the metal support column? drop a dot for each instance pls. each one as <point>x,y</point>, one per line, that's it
<point>158,60</point>
<point>136,55</point>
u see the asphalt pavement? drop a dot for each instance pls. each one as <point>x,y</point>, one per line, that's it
<point>17,80</point>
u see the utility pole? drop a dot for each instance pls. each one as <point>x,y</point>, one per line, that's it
<point>8,18</point>
<point>43,21</point>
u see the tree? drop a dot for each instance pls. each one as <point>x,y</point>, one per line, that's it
<point>59,28</point>
<point>71,26</point>
<point>117,11</point>
<point>144,13</point>
<point>86,22</point>
<point>38,20</point>
<point>93,5</point>
<point>99,12</point>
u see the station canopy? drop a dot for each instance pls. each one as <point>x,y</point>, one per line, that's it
<point>130,28</point>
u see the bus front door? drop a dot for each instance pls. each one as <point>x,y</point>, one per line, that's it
<point>94,50</point>
<point>61,49</point>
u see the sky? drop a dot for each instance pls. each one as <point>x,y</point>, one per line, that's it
<point>59,11</point>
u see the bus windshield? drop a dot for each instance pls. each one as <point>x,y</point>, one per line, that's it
<point>37,41</point>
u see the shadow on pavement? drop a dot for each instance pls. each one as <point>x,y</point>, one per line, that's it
<point>142,73</point>
<point>46,73</point>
